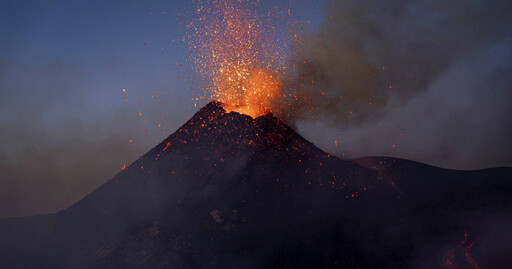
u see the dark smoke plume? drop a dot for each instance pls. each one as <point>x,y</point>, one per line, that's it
<point>371,55</point>
<point>369,60</point>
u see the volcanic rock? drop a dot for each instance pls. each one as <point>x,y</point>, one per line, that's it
<point>230,191</point>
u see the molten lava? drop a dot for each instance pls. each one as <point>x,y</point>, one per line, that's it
<point>232,50</point>
<point>253,95</point>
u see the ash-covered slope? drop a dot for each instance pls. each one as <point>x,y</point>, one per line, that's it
<point>229,191</point>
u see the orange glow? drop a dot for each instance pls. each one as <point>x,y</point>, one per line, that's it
<point>253,95</point>
<point>231,48</point>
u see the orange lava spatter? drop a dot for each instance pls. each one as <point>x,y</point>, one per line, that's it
<point>231,47</point>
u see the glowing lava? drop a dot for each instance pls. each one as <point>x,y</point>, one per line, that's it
<point>231,48</point>
<point>253,95</point>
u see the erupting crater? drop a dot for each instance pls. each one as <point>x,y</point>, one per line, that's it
<point>237,52</point>
<point>248,92</point>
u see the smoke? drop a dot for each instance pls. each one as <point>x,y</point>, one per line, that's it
<point>368,62</point>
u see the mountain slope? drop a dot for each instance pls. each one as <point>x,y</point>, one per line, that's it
<point>229,191</point>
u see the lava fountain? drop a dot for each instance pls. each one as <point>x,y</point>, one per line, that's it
<point>232,47</point>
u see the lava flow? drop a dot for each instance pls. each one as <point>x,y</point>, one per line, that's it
<point>232,50</point>
<point>464,251</point>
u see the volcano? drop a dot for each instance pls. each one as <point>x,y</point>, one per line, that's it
<point>229,191</point>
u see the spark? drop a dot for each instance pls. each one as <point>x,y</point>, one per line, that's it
<point>233,48</point>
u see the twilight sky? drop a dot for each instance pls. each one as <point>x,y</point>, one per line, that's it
<point>65,126</point>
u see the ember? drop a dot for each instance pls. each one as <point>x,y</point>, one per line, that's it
<point>461,252</point>
<point>231,48</point>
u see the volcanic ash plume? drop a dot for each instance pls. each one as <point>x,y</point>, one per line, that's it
<point>368,58</point>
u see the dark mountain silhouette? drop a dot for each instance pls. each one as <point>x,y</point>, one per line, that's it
<point>229,191</point>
